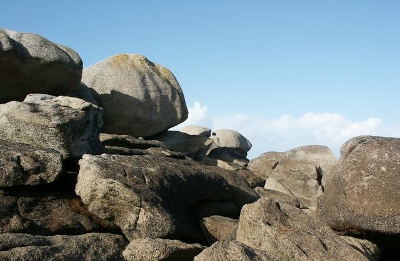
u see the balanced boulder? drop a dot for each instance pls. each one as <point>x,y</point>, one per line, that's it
<point>30,63</point>
<point>139,98</point>
<point>197,130</point>
<point>363,193</point>
<point>68,125</point>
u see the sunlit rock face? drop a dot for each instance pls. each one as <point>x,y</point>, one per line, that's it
<point>362,194</point>
<point>139,98</point>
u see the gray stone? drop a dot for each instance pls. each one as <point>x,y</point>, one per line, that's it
<point>127,141</point>
<point>278,196</point>
<point>217,228</point>
<point>195,147</point>
<point>46,212</point>
<point>23,164</point>
<point>363,192</point>
<point>365,247</point>
<point>30,63</point>
<point>83,92</point>
<point>137,192</point>
<point>139,98</point>
<point>149,249</point>
<point>300,171</point>
<point>231,139</point>
<point>287,233</point>
<point>68,125</point>
<point>197,131</point>
<point>88,247</point>
<point>233,251</point>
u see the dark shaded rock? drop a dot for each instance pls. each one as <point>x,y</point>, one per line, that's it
<point>193,146</point>
<point>217,228</point>
<point>137,192</point>
<point>88,247</point>
<point>23,164</point>
<point>48,210</point>
<point>30,63</point>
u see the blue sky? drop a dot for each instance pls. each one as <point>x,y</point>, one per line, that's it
<point>282,73</point>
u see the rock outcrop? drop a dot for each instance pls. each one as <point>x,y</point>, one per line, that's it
<point>142,192</point>
<point>363,192</point>
<point>30,63</point>
<point>299,172</point>
<point>68,125</point>
<point>137,192</point>
<point>160,249</point>
<point>268,230</point>
<point>88,247</point>
<point>139,98</point>
<point>23,164</point>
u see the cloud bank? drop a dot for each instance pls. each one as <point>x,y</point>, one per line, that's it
<point>288,132</point>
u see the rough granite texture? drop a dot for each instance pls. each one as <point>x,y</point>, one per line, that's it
<point>30,63</point>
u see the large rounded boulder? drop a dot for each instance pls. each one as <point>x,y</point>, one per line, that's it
<point>139,98</point>
<point>30,63</point>
<point>363,193</point>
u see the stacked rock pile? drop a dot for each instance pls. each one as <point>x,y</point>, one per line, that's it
<point>91,171</point>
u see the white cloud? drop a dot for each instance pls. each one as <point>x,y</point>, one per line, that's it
<point>197,116</point>
<point>287,132</point>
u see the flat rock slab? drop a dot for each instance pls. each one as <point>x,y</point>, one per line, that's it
<point>29,63</point>
<point>137,192</point>
<point>161,249</point>
<point>88,247</point>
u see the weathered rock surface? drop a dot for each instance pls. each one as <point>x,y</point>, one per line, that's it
<point>268,230</point>
<point>88,247</point>
<point>363,193</point>
<point>30,63</point>
<point>23,164</point>
<point>137,192</point>
<point>278,196</point>
<point>300,170</point>
<point>365,247</point>
<point>149,249</point>
<point>286,232</point>
<point>231,139</point>
<point>233,251</point>
<point>216,228</point>
<point>197,130</point>
<point>139,98</point>
<point>47,211</point>
<point>68,125</point>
